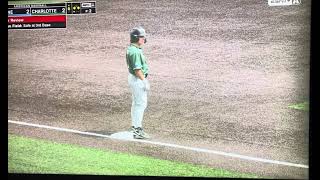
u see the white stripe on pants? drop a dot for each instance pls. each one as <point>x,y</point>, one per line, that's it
<point>139,99</point>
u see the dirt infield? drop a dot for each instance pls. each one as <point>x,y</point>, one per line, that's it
<point>222,75</point>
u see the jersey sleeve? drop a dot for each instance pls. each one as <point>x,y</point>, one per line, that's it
<point>136,60</point>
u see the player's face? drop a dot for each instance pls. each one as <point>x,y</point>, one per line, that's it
<point>141,41</point>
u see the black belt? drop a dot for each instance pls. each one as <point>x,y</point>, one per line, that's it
<point>146,75</point>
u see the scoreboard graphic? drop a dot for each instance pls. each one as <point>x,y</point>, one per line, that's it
<point>39,16</point>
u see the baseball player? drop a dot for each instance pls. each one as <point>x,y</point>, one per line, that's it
<point>137,79</point>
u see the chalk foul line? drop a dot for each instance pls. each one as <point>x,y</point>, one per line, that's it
<point>249,158</point>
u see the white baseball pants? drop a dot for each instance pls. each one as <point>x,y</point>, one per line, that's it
<point>139,99</point>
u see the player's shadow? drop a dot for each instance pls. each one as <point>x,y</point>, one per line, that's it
<point>112,134</point>
<point>98,134</point>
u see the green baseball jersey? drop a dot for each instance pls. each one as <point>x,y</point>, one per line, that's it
<point>136,59</point>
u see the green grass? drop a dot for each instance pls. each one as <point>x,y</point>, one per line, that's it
<point>300,106</point>
<point>26,155</point>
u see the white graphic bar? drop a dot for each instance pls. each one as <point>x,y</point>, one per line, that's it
<point>283,2</point>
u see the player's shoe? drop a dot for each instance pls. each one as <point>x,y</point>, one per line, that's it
<point>132,129</point>
<point>138,133</point>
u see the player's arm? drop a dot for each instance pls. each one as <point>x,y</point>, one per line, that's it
<point>136,58</point>
<point>139,74</point>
